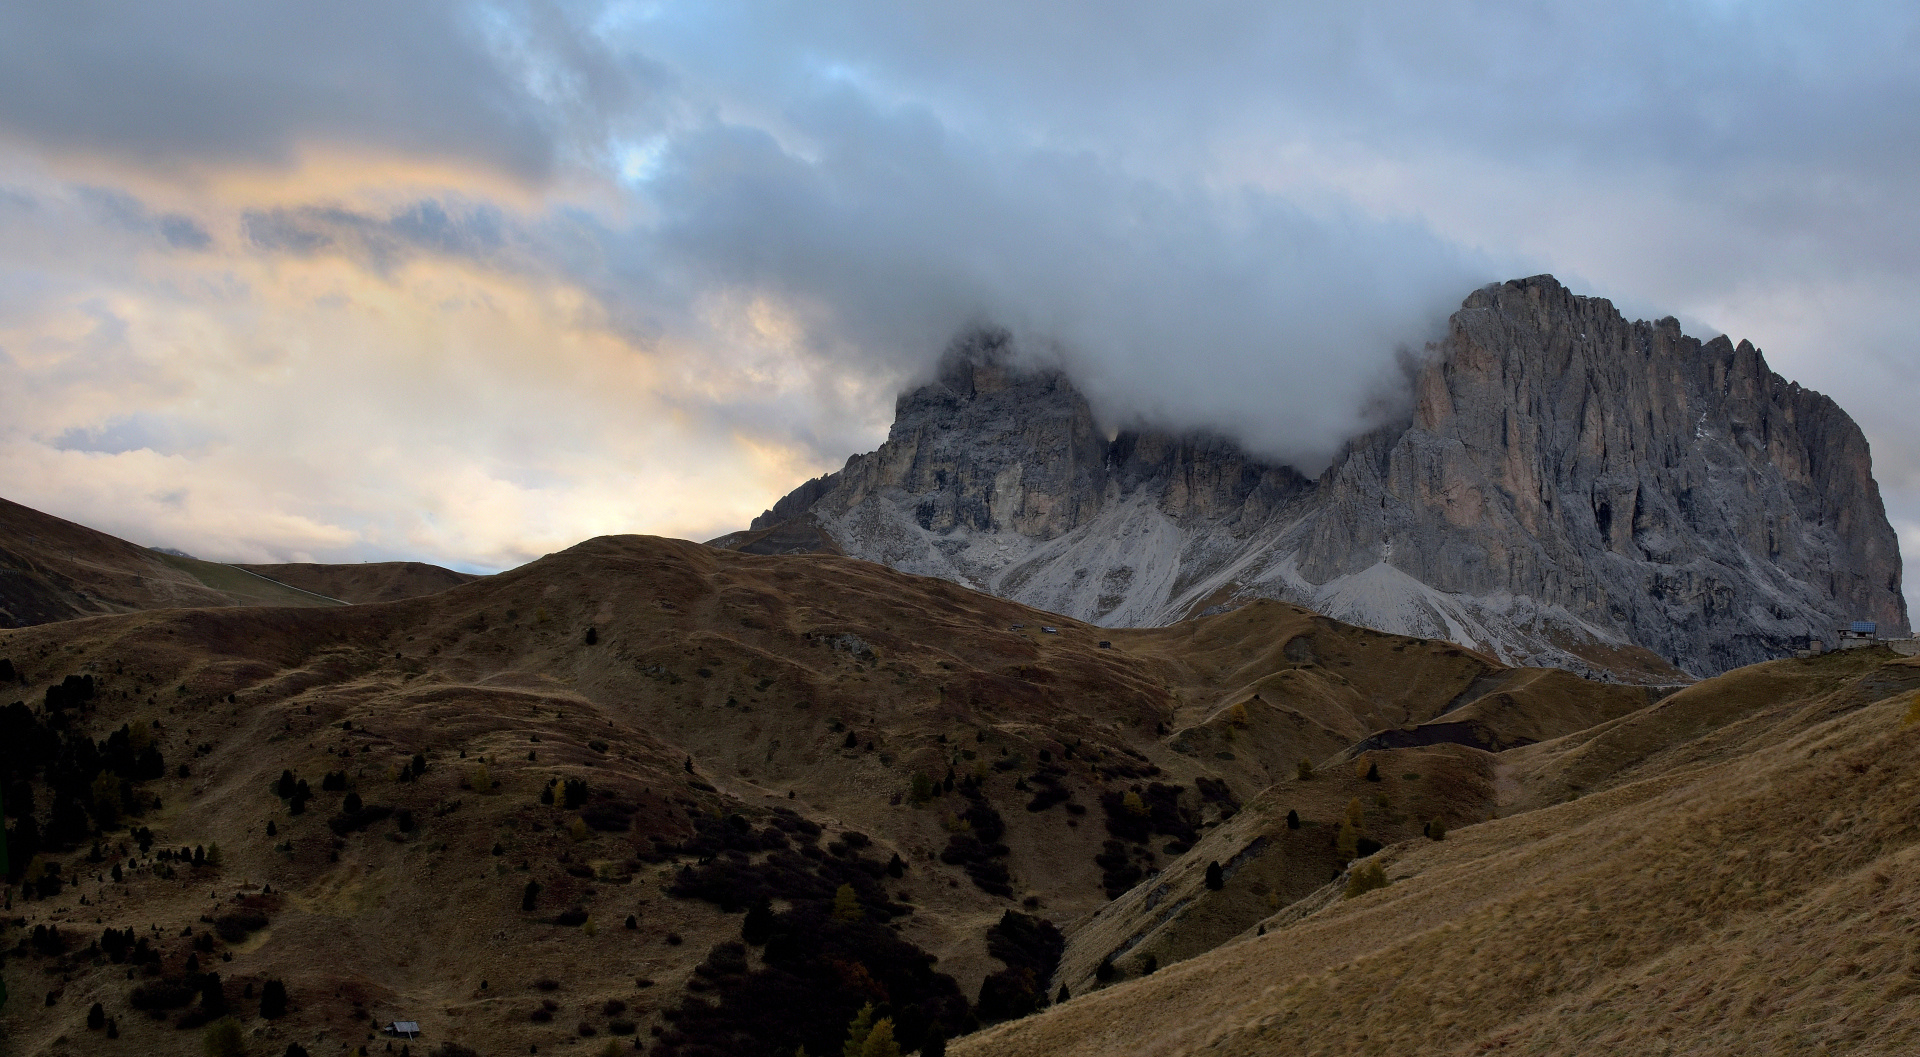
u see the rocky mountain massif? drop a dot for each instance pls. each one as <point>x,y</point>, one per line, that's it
<point>1569,489</point>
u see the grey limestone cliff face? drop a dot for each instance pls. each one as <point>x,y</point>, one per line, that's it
<point>1569,488</point>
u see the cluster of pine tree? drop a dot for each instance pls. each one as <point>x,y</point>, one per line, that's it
<point>90,786</point>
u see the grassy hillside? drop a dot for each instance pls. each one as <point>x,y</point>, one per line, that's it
<point>670,733</point>
<point>52,570</point>
<point>365,581</point>
<point>1736,872</point>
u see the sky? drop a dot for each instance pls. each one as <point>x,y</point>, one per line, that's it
<point>470,282</point>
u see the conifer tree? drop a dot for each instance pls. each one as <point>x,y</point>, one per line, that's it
<point>1216,878</point>
<point>857,1032</point>
<point>1348,842</point>
<point>846,904</point>
<point>880,1042</point>
<point>1365,879</point>
<point>273,1000</point>
<point>1293,819</point>
<point>224,1038</point>
<point>758,926</point>
<point>213,995</point>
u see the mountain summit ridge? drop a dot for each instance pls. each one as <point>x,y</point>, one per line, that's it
<point>1567,488</point>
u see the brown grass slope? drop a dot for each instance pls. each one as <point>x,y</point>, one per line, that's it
<point>1268,866</point>
<point>1748,882</point>
<point>52,569</point>
<point>815,683</point>
<point>364,582</point>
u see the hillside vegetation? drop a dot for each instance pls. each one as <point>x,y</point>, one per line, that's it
<point>1739,877</point>
<point>718,803</point>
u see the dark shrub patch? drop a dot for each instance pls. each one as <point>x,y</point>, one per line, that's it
<point>991,877</point>
<point>357,820</point>
<point>977,849</point>
<point>1158,811</point>
<point>273,999</point>
<point>817,969</point>
<point>818,972</point>
<point>237,926</point>
<point>163,994</point>
<point>609,816</point>
<point>1118,871</point>
<point>1031,949</point>
<point>1215,791</point>
<point>1047,796</point>
<point>47,941</point>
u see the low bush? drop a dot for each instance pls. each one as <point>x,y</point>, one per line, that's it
<point>354,817</point>
<point>1118,871</point>
<point>1365,878</point>
<point>1030,948</point>
<point>238,925</point>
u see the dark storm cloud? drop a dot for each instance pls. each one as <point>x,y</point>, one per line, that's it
<point>222,81</point>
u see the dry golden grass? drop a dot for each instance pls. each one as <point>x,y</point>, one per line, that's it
<point>1758,899</point>
<point>364,582</point>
